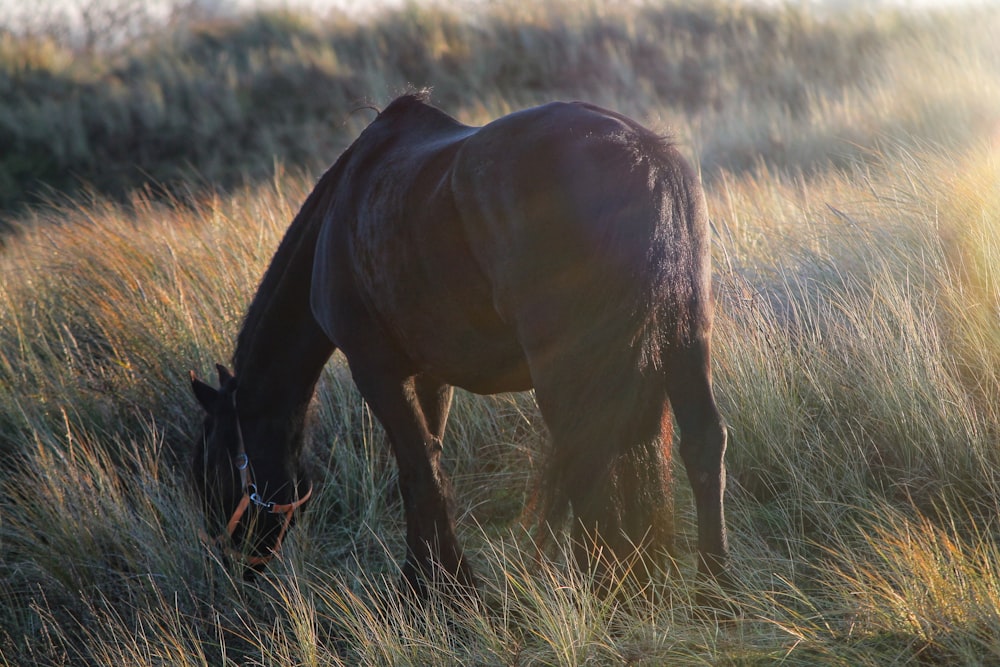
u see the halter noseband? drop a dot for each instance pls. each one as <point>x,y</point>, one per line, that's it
<point>252,497</point>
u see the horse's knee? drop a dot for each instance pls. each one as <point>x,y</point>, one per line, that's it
<point>703,451</point>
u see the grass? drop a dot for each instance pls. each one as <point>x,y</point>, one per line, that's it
<point>852,167</point>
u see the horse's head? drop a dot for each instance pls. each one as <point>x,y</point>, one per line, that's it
<point>255,505</point>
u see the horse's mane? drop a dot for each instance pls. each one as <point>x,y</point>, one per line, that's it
<point>300,238</point>
<point>409,100</point>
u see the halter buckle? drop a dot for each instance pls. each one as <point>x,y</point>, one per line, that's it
<point>267,506</point>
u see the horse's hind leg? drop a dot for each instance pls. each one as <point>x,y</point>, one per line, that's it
<point>641,480</point>
<point>414,411</point>
<point>703,446</point>
<point>611,436</point>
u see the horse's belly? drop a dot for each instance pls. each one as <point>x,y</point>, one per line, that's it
<point>483,357</point>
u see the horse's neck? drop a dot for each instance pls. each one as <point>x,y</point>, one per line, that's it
<point>281,350</point>
<point>278,375</point>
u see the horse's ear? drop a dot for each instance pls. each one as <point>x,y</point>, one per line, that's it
<point>224,374</point>
<point>206,395</point>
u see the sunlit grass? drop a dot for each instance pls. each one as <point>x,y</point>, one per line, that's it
<point>857,245</point>
<point>841,344</point>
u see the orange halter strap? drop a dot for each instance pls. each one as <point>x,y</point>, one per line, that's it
<point>252,497</point>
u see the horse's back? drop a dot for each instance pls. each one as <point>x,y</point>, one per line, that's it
<point>591,229</point>
<point>475,253</point>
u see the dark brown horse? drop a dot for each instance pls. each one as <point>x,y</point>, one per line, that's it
<point>563,248</point>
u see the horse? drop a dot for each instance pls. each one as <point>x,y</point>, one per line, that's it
<point>562,248</point>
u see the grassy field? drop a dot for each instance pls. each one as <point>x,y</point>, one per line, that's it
<point>852,166</point>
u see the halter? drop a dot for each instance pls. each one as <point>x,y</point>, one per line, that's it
<point>252,497</point>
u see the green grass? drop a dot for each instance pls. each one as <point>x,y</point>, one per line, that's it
<point>852,166</point>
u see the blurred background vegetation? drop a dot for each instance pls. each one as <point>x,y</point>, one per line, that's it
<point>204,98</point>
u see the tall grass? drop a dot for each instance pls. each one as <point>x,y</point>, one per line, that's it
<point>852,167</point>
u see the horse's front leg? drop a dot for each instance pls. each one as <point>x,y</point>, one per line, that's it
<point>413,411</point>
